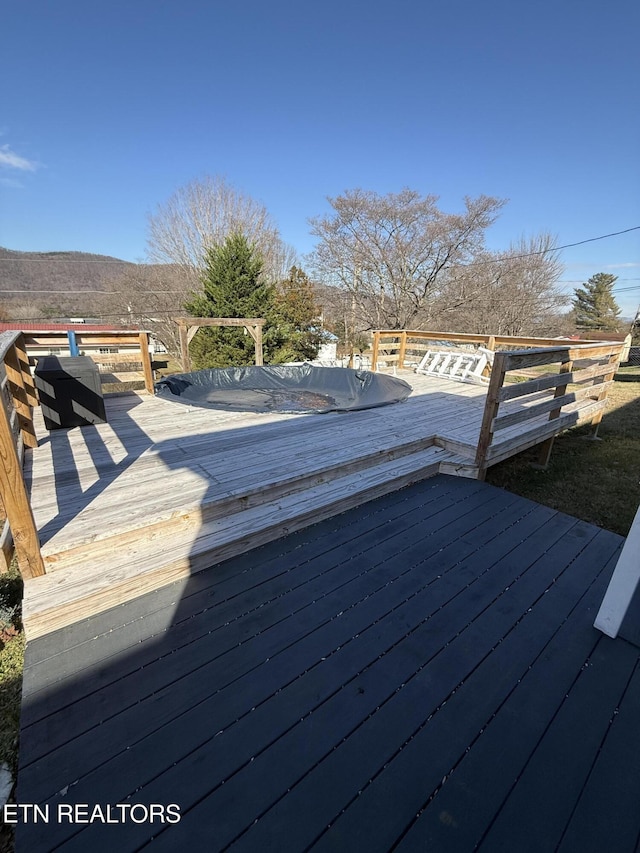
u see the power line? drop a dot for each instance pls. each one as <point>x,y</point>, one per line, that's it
<point>591,240</point>
<point>552,248</point>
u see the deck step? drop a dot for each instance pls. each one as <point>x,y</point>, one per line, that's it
<point>70,591</point>
<point>173,506</point>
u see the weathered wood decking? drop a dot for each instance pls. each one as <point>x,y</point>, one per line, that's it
<point>419,673</point>
<point>163,490</point>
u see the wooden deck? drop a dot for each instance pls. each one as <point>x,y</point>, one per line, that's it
<point>164,490</point>
<point>418,673</point>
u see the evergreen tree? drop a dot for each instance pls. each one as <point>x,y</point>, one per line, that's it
<point>635,330</point>
<point>233,286</point>
<point>595,306</point>
<point>293,334</point>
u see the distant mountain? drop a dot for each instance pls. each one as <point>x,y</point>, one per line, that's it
<point>29,272</point>
<point>36,285</point>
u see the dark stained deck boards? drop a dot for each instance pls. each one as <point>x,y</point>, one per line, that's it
<point>420,672</point>
<point>608,804</point>
<point>304,553</point>
<point>337,573</point>
<point>454,817</point>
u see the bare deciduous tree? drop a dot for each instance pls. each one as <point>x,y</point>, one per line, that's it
<point>393,253</point>
<point>149,296</point>
<point>25,309</point>
<point>200,215</point>
<point>506,293</point>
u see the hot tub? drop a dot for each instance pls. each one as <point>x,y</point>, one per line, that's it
<point>284,388</point>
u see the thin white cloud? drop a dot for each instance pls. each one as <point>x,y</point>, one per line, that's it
<point>12,160</point>
<point>621,266</point>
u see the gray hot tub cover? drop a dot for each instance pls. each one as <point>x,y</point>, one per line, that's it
<point>284,388</point>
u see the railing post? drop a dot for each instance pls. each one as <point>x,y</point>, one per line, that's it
<point>546,446</point>
<point>614,361</point>
<point>28,383</point>
<point>374,352</point>
<point>147,369</point>
<point>491,407</point>
<point>184,347</point>
<point>403,349</point>
<point>18,389</point>
<point>16,504</point>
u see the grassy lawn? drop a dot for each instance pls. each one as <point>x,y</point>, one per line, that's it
<point>597,481</point>
<point>11,658</point>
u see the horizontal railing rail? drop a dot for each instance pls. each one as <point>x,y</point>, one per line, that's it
<point>394,346</point>
<point>132,348</point>
<point>526,413</point>
<point>573,392</point>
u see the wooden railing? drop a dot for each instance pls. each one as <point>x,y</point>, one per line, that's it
<point>572,393</point>
<point>18,396</point>
<point>526,413</point>
<point>18,353</point>
<point>132,346</point>
<point>397,347</point>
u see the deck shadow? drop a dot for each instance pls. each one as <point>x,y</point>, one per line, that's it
<point>415,672</point>
<point>130,442</point>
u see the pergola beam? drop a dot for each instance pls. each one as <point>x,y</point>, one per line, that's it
<point>188,326</point>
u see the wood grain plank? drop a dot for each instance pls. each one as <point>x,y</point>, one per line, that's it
<point>563,759</point>
<point>351,573</point>
<point>85,644</point>
<point>136,569</point>
<point>549,650</point>
<point>606,812</point>
<point>245,694</point>
<point>464,688</point>
<point>350,757</point>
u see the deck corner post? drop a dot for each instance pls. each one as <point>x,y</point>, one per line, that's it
<point>491,406</point>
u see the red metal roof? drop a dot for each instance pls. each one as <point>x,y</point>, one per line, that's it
<point>62,327</point>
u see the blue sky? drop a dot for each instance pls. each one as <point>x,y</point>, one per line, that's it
<point>108,108</point>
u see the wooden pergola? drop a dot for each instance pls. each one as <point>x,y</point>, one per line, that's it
<point>188,326</point>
